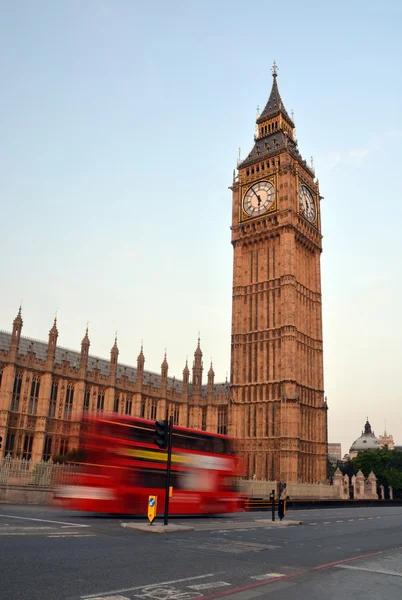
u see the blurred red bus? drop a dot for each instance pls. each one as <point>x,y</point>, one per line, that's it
<point>122,466</point>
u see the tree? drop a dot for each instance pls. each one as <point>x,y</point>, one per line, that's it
<point>386,465</point>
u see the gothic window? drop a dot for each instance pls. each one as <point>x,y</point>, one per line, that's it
<point>129,405</point>
<point>87,399</point>
<point>63,448</point>
<point>142,413</point>
<point>153,409</point>
<point>33,397</point>
<point>10,443</point>
<point>27,447</point>
<point>68,405</point>
<point>53,399</point>
<point>47,449</point>
<point>15,399</point>
<point>255,421</point>
<point>1,376</point>
<point>196,379</point>
<point>176,410</point>
<point>222,421</point>
<point>116,403</point>
<point>204,419</point>
<point>101,400</point>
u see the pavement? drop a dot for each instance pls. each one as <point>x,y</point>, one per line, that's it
<point>347,553</point>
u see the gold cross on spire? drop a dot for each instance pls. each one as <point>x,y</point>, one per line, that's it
<point>274,69</point>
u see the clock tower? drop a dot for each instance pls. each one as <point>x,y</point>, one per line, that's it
<point>279,413</point>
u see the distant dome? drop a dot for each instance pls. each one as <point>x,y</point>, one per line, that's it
<point>367,440</point>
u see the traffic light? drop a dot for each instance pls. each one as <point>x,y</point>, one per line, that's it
<point>161,433</point>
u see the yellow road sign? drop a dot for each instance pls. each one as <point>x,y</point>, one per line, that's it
<point>152,506</point>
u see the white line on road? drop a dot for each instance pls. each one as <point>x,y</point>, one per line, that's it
<point>139,587</point>
<point>266,576</point>
<point>370,570</point>
<point>326,522</point>
<point>206,586</point>
<point>43,520</point>
<point>339,521</point>
<point>76,535</point>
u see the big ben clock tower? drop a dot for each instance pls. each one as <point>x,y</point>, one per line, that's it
<point>279,413</point>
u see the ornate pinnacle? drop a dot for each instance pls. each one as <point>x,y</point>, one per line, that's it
<point>274,69</point>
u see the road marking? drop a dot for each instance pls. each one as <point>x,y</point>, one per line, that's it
<point>361,519</point>
<point>339,521</point>
<point>76,535</point>
<point>370,570</point>
<point>266,576</point>
<point>313,523</point>
<point>43,520</point>
<point>326,522</point>
<point>112,598</point>
<point>139,587</point>
<point>206,586</point>
<point>350,519</point>
<point>378,517</point>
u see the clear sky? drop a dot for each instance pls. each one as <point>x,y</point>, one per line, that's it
<point>121,122</point>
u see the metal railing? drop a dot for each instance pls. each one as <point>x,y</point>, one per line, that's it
<point>17,471</point>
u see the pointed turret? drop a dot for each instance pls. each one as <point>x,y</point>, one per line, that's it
<point>274,106</point>
<point>114,355</point>
<point>140,364</point>
<point>16,335</point>
<point>211,376</point>
<point>84,351</point>
<point>51,348</point>
<point>275,130</point>
<point>164,367</point>
<point>197,370</point>
<point>186,374</point>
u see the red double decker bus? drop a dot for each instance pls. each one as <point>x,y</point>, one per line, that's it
<point>122,466</point>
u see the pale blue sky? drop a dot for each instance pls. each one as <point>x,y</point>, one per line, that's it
<point>121,122</point>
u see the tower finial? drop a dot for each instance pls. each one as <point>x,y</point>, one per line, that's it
<point>274,69</point>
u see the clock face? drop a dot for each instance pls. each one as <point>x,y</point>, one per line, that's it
<point>307,204</point>
<point>259,198</point>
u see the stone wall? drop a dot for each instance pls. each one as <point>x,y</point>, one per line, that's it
<point>20,494</point>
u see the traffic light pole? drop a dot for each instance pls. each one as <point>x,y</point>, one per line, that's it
<point>169,462</point>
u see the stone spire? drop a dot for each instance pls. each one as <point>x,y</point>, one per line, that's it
<point>16,335</point>
<point>84,351</point>
<point>114,356</point>
<point>211,376</point>
<point>197,370</point>
<point>186,374</point>
<point>51,347</point>
<point>164,367</point>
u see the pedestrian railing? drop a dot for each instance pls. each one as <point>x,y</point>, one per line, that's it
<point>20,471</point>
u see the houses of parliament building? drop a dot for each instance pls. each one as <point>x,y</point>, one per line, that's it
<point>274,403</point>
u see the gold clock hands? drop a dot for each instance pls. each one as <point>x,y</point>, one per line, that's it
<point>258,197</point>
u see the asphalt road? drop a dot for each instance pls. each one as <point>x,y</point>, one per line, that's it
<point>49,554</point>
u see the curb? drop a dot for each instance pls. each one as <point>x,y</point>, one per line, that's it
<point>158,528</point>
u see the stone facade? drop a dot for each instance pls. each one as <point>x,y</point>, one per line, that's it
<point>45,390</point>
<point>279,411</point>
<point>274,404</point>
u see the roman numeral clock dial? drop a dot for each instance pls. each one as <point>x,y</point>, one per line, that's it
<point>259,198</point>
<point>307,204</point>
